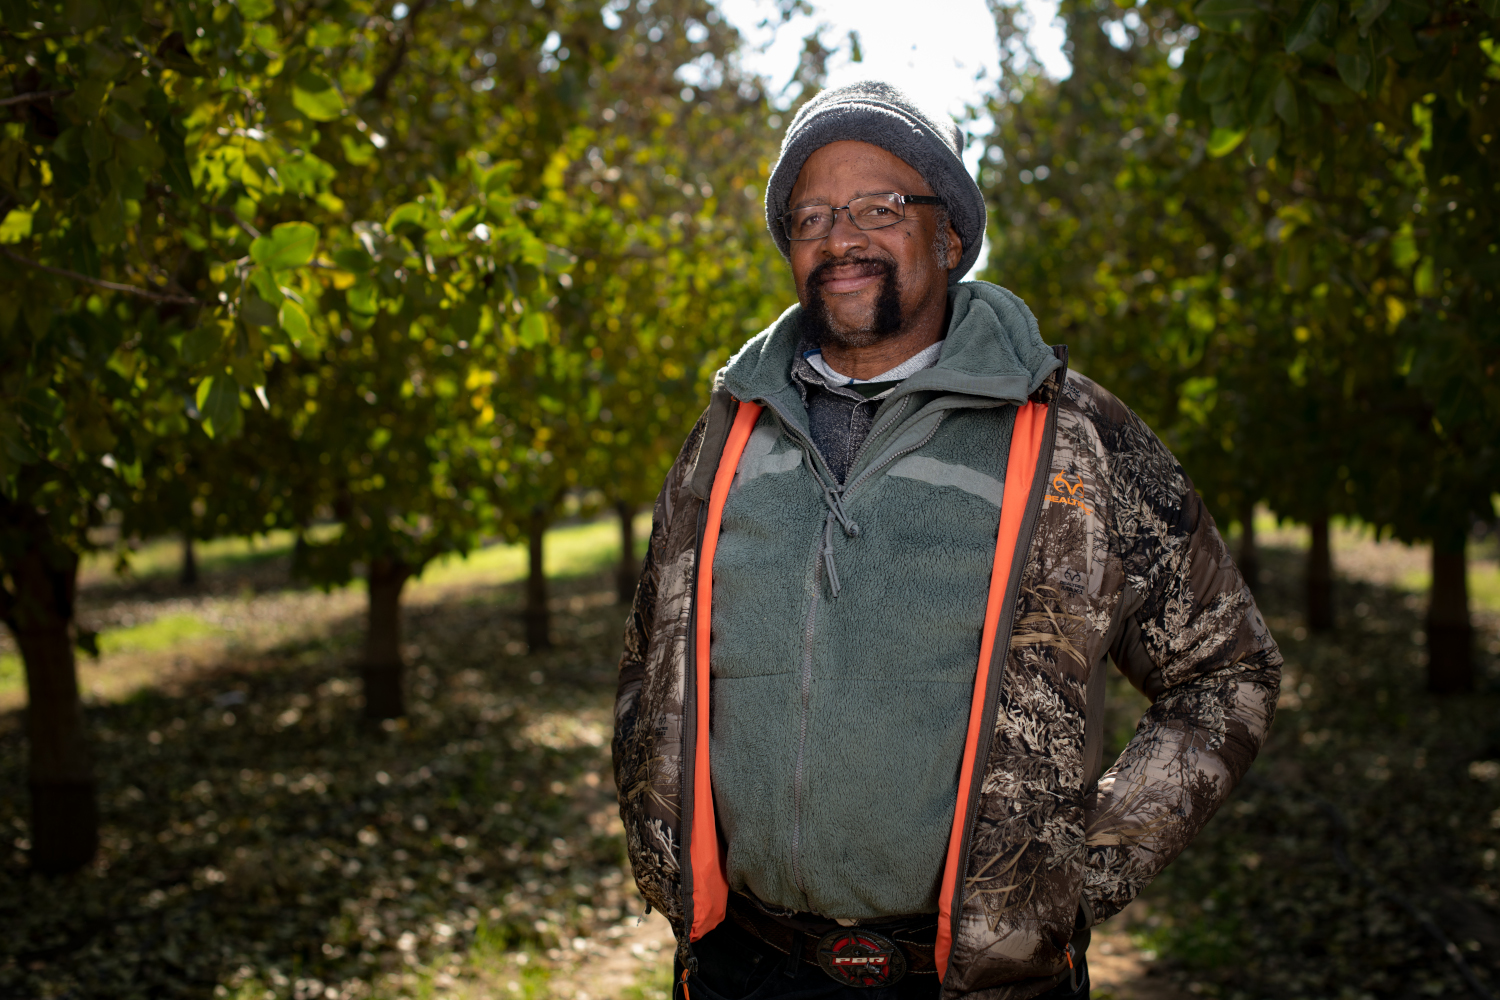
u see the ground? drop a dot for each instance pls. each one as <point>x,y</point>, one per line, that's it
<point>260,840</point>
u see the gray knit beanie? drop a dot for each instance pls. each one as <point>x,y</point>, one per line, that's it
<point>883,116</point>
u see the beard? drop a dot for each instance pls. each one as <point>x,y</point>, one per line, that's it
<point>886,319</point>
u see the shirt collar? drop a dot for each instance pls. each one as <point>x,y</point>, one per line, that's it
<point>923,359</point>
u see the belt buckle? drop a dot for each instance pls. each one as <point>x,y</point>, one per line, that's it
<point>857,957</point>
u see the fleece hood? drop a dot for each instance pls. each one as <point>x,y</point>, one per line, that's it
<point>993,348</point>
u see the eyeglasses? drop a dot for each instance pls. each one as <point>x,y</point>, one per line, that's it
<point>873,211</point>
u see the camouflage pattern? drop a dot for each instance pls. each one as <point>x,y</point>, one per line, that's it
<point>1123,560</point>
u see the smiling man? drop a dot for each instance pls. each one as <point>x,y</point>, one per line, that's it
<point>859,729</point>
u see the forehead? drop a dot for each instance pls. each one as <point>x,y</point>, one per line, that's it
<point>847,169</point>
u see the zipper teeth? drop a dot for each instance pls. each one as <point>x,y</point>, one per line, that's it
<point>893,457</point>
<point>807,638</point>
<point>813,455</point>
<point>690,729</point>
<point>888,419</point>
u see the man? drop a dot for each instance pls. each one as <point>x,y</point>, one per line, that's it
<point>859,723</point>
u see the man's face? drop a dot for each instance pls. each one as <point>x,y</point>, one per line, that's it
<point>860,286</point>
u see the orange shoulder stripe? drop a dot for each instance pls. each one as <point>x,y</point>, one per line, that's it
<point>1025,448</point>
<point>710,881</point>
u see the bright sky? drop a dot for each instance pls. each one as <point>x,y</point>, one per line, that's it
<point>942,52</point>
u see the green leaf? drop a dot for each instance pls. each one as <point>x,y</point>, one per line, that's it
<point>254,10</point>
<point>1223,141</point>
<point>1411,11</point>
<point>201,343</point>
<point>354,259</point>
<point>533,332</point>
<point>1224,77</point>
<point>1368,12</point>
<point>314,95</point>
<point>256,311</point>
<point>1264,141</point>
<point>356,153</point>
<point>1354,69</point>
<point>293,320</point>
<point>1317,17</point>
<point>219,404</point>
<point>291,244</point>
<point>1328,90</point>
<point>1285,100</point>
<point>1425,281</point>
<point>363,298</point>
<point>264,283</point>
<point>412,214</point>
<point>16,227</point>
<point>1491,8</point>
<point>1221,15</point>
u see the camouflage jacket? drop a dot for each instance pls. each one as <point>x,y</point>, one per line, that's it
<point>1115,554</point>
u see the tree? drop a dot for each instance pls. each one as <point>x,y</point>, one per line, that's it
<point>1381,112</point>
<point>112,309</point>
<point>1254,307</point>
<point>157,175</point>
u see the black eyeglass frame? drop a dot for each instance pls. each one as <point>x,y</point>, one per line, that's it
<point>833,213</point>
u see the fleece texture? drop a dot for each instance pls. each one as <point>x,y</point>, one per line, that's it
<point>883,116</point>
<point>838,723</point>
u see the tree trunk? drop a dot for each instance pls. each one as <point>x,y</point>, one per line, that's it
<point>382,666</point>
<point>1249,555</point>
<point>1320,578</point>
<point>1450,636</point>
<point>64,807</point>
<point>538,619</point>
<point>188,577</point>
<point>629,571</point>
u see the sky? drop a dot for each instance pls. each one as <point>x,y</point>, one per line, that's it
<point>942,52</point>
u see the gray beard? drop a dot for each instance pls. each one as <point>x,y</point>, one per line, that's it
<point>886,322</point>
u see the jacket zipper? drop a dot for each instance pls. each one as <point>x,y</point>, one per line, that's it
<point>1002,635</point>
<point>807,637</point>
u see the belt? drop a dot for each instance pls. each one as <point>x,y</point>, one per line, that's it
<point>845,953</point>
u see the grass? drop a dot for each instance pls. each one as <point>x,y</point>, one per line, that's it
<point>573,550</point>
<point>570,551</point>
<point>167,632</point>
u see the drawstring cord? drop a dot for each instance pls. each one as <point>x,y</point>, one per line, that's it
<point>833,496</point>
<point>833,573</point>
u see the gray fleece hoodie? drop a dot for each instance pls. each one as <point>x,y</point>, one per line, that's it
<point>846,618</point>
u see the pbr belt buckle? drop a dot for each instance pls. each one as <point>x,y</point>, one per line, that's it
<point>857,957</point>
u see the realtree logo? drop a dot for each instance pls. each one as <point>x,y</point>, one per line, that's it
<point>1071,494</point>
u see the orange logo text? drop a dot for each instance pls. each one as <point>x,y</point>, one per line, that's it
<point>1071,494</point>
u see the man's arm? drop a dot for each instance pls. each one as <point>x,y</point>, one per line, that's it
<point>1194,642</point>
<point>641,624</point>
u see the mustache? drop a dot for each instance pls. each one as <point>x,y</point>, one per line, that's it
<point>847,267</point>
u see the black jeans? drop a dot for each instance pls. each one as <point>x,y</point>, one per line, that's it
<point>735,965</point>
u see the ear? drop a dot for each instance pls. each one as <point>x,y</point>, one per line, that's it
<point>955,247</point>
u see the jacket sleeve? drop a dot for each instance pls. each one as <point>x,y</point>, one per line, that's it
<point>641,624</point>
<point>1192,639</point>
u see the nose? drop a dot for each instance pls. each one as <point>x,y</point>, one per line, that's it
<point>844,235</point>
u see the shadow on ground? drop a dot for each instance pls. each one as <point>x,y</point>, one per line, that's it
<point>1258,905</point>
<point>259,835</point>
<point>261,840</point>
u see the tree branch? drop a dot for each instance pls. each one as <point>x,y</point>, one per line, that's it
<point>40,95</point>
<point>114,286</point>
<point>254,233</point>
<point>382,85</point>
